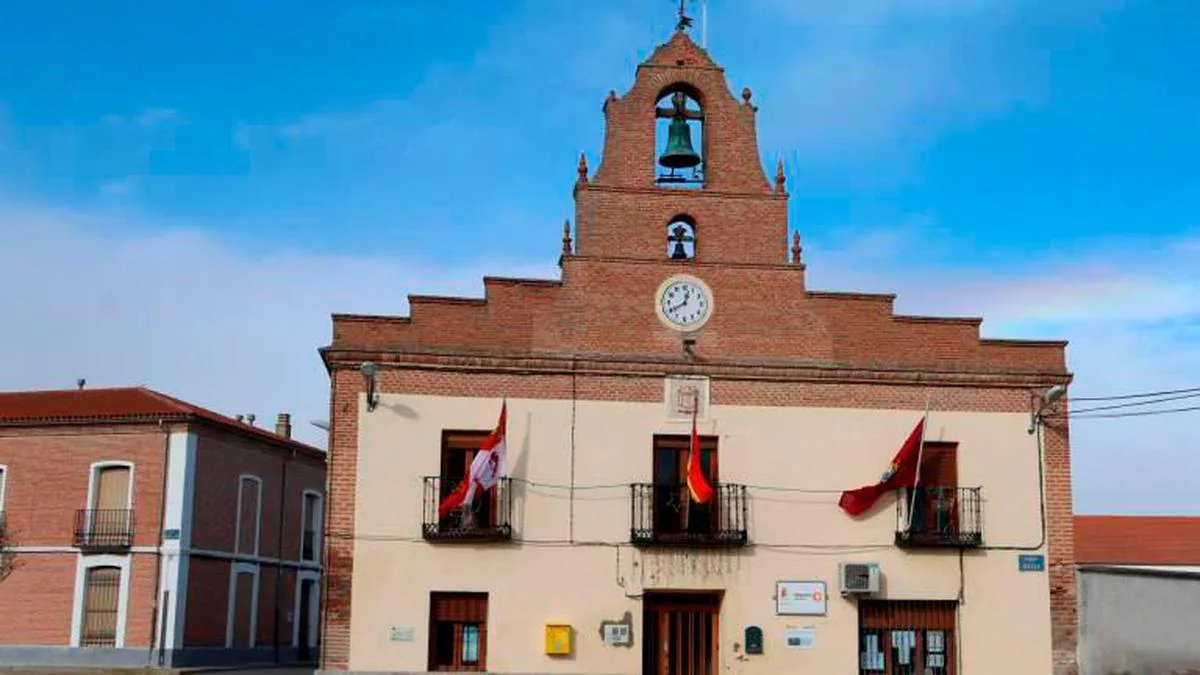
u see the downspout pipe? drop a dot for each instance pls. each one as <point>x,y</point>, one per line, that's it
<point>283,512</point>
<point>158,584</point>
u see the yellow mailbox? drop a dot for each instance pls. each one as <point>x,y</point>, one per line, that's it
<point>558,639</point>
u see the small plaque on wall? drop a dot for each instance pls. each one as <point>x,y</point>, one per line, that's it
<point>685,393</point>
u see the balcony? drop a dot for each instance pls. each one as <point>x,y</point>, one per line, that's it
<point>665,515</point>
<point>104,530</point>
<point>488,519</point>
<point>942,517</point>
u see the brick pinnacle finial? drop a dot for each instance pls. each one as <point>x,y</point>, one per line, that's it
<point>583,168</point>
<point>796,248</point>
<point>566,237</point>
<point>780,179</point>
<point>746,95</point>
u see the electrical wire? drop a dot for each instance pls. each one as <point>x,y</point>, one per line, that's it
<point>1139,413</point>
<point>1134,404</point>
<point>1149,394</point>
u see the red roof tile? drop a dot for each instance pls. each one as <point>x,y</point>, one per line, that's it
<point>1137,540</point>
<point>116,405</point>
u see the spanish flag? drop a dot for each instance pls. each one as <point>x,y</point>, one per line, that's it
<point>697,485</point>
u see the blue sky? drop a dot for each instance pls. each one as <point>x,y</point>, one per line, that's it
<point>215,180</point>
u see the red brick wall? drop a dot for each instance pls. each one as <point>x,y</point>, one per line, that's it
<point>221,458</point>
<point>1061,524</point>
<point>49,470</point>
<point>346,387</point>
<point>207,602</point>
<point>45,581</point>
<point>47,481</point>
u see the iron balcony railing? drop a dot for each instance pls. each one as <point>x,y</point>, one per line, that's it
<point>940,516</point>
<point>665,515</point>
<point>104,529</point>
<point>488,518</point>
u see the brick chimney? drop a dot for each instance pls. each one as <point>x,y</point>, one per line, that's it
<point>283,425</point>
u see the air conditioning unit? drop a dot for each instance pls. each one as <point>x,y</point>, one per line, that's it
<point>858,578</point>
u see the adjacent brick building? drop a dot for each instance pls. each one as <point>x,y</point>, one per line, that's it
<point>142,530</point>
<point>681,294</point>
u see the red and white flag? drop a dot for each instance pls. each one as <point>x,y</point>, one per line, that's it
<point>485,470</point>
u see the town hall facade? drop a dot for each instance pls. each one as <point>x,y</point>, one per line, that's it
<point>682,305</point>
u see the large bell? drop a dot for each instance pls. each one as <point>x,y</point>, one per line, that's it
<point>679,153</point>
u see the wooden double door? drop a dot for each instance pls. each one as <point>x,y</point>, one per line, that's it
<point>680,633</point>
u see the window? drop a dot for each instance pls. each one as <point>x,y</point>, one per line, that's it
<point>674,510</point>
<point>101,606</point>
<point>937,512</point>
<point>107,520</point>
<point>458,631</point>
<point>932,499</point>
<point>241,622</point>
<point>310,526</point>
<point>249,514</point>
<point>906,636</point>
<point>458,451</point>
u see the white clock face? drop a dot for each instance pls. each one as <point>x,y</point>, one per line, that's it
<point>684,302</point>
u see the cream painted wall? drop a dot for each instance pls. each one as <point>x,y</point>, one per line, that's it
<point>1004,616</point>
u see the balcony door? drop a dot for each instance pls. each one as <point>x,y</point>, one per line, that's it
<point>936,504</point>
<point>107,521</point>
<point>458,451</point>
<point>674,510</point>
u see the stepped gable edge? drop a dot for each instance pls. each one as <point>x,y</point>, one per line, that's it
<point>525,316</point>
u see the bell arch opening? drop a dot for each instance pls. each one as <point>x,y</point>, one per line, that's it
<point>679,137</point>
<point>681,237</point>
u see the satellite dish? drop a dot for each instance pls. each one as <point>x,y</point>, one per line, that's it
<point>323,425</point>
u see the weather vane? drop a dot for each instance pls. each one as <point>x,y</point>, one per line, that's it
<point>684,19</point>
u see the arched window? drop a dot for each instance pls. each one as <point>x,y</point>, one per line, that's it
<point>681,238</point>
<point>679,136</point>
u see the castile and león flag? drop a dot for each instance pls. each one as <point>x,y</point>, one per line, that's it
<point>486,469</point>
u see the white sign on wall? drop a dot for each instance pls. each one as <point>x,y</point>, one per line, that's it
<point>801,637</point>
<point>800,598</point>
<point>398,634</point>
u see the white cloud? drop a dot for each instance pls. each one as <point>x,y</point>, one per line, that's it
<point>121,301</point>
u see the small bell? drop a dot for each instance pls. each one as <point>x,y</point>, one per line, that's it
<point>679,153</point>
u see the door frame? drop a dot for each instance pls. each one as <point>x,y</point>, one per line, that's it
<point>666,600</point>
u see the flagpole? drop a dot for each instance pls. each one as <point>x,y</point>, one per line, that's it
<point>917,479</point>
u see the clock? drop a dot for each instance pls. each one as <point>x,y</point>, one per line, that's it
<point>684,302</point>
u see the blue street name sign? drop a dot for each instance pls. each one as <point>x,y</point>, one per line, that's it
<point>1031,563</point>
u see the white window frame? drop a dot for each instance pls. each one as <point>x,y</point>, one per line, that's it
<point>3,484</point>
<point>237,527</point>
<point>314,612</point>
<point>84,563</point>
<point>317,526</point>
<point>94,474</point>
<point>235,570</point>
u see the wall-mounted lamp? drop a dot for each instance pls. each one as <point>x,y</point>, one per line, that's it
<point>1048,398</point>
<point>369,370</point>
